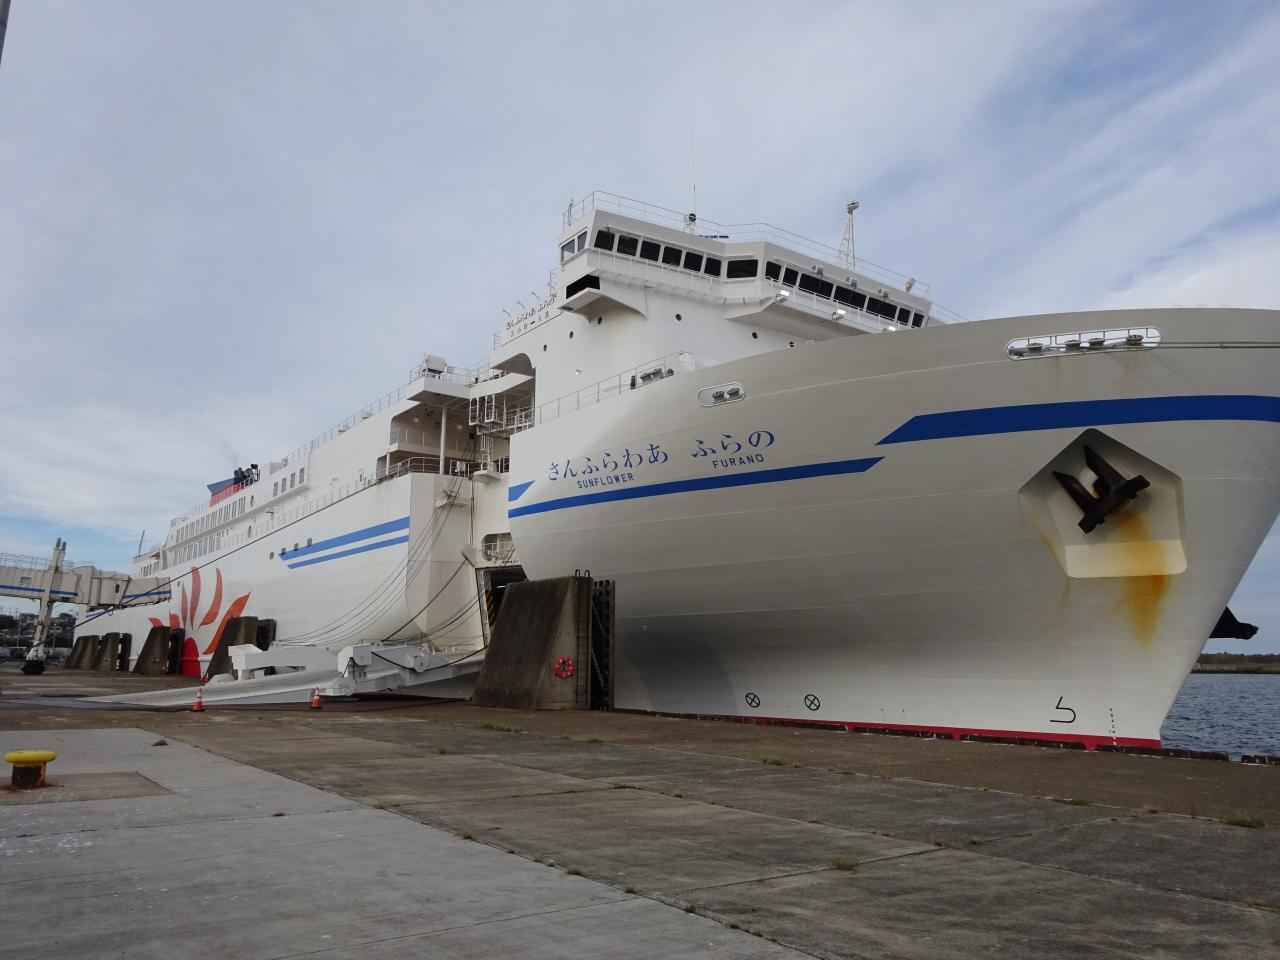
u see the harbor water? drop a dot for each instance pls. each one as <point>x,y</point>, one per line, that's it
<point>1230,712</point>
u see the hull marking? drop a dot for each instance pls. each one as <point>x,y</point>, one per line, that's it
<point>391,526</point>
<point>364,548</point>
<point>777,475</point>
<point>1084,413</point>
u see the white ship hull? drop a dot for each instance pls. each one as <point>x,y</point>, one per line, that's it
<point>1024,527</point>
<point>824,574</point>
<point>346,571</point>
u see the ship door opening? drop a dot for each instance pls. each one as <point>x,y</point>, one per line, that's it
<point>493,585</point>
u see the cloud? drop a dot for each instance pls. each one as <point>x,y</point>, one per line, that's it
<point>228,226</point>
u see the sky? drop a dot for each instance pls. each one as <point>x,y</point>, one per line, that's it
<point>224,227</point>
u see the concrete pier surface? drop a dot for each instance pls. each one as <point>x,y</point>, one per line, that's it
<point>446,830</point>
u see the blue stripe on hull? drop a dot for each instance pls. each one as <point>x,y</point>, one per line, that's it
<point>364,548</point>
<point>1084,413</point>
<point>716,482</point>
<point>391,526</point>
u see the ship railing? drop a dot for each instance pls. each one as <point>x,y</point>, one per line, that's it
<point>633,378</point>
<point>149,551</point>
<point>453,467</point>
<point>732,233</point>
<point>476,373</point>
<point>415,437</point>
<point>364,413</point>
<point>38,564</point>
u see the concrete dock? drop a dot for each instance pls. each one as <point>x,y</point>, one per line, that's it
<point>393,829</point>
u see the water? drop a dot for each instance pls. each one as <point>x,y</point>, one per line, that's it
<point>1229,712</point>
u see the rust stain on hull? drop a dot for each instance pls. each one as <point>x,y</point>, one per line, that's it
<point>1143,601</point>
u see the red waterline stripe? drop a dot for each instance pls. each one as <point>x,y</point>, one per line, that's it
<point>1089,741</point>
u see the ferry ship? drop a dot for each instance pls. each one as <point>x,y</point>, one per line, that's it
<point>820,496</point>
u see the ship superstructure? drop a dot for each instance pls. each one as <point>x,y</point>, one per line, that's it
<point>817,498</point>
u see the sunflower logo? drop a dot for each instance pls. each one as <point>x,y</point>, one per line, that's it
<point>190,611</point>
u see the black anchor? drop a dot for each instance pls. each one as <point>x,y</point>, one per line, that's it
<point>1110,490</point>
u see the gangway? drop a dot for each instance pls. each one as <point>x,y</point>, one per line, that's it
<point>56,581</point>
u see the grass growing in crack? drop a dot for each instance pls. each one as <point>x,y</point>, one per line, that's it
<point>1072,801</point>
<point>1263,905</point>
<point>595,740</point>
<point>574,872</point>
<point>442,750</point>
<point>773,761</point>
<point>466,836</point>
<point>1150,808</point>
<point>1243,820</point>
<point>849,865</point>
<point>690,908</point>
<point>497,727</point>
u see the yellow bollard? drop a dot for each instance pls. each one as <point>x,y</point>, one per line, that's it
<point>28,767</point>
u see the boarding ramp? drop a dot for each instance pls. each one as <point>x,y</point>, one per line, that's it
<point>257,676</point>
<point>32,578</point>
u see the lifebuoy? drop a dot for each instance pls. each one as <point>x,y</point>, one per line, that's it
<point>564,667</point>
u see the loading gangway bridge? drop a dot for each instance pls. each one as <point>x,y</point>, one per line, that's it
<point>54,580</point>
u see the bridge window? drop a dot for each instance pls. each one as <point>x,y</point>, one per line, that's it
<point>816,285</point>
<point>582,241</point>
<point>790,275</point>
<point>302,474</point>
<point>904,315</point>
<point>628,245</point>
<point>566,251</point>
<point>881,308</point>
<point>844,295</point>
<point>275,488</point>
<point>917,319</point>
<point>648,250</point>
<point>671,256</point>
<point>692,261</point>
<point>741,269</point>
<point>604,240</point>
<point>773,270</point>
<point>711,267</point>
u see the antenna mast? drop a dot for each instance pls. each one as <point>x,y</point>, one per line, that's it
<point>846,241</point>
<point>4,23</point>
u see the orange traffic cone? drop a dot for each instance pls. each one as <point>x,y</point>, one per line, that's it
<point>198,706</point>
<point>315,698</point>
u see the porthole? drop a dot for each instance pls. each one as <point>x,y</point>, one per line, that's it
<point>679,318</point>
<point>271,555</point>
<point>308,541</point>
<point>544,348</point>
<point>570,334</point>
<point>754,335</point>
<point>599,320</point>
